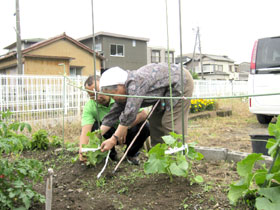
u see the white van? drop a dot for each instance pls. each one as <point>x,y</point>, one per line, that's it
<point>264,78</point>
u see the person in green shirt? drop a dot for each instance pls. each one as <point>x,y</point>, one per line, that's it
<point>99,107</point>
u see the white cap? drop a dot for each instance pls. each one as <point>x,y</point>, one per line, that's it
<point>113,76</point>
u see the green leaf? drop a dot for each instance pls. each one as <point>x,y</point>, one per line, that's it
<point>194,155</point>
<point>235,192</point>
<point>155,165</point>
<point>272,193</point>
<point>272,149</point>
<point>22,171</point>
<point>178,171</point>
<point>184,165</point>
<point>265,204</point>
<point>169,140</point>
<point>175,135</point>
<point>199,179</point>
<point>12,195</point>
<point>158,149</point>
<point>18,184</point>
<point>26,201</point>
<point>245,166</point>
<point>260,176</point>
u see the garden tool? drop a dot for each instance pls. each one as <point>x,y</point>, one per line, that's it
<point>149,115</point>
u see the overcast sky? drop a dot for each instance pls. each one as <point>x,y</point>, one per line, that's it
<point>228,27</point>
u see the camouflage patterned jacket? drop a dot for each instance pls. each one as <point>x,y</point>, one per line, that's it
<point>149,80</point>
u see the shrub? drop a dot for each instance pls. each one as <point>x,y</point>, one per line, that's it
<point>56,141</point>
<point>40,140</point>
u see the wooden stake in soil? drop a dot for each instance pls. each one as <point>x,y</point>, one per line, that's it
<point>49,189</point>
<point>128,148</point>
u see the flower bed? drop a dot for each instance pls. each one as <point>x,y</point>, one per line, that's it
<point>199,105</point>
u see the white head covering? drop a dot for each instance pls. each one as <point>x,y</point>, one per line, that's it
<point>113,76</point>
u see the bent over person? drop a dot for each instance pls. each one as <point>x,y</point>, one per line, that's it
<point>149,80</point>
<point>97,108</point>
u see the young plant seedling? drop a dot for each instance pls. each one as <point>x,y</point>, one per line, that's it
<point>162,161</point>
<point>95,140</point>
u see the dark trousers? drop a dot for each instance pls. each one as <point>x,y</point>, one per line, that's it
<point>131,133</point>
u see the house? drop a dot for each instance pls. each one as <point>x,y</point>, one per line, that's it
<point>127,52</point>
<point>160,55</point>
<point>244,70</point>
<point>214,66</point>
<point>41,57</point>
<point>25,43</point>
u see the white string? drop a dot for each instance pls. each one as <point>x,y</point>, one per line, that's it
<point>94,91</point>
<point>176,149</point>
<point>104,167</point>
<point>90,149</point>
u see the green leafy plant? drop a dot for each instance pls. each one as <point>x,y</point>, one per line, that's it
<point>7,127</point>
<point>40,140</point>
<point>17,175</point>
<point>261,185</point>
<point>17,178</point>
<point>172,164</point>
<point>56,141</point>
<point>72,147</point>
<point>100,182</point>
<point>10,140</point>
<point>95,140</point>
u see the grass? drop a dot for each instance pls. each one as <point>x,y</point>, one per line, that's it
<point>226,132</point>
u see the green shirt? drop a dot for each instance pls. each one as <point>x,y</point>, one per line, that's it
<point>90,113</point>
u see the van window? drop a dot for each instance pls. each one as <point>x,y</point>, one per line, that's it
<point>268,54</point>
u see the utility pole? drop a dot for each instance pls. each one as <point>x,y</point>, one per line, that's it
<point>19,60</point>
<point>199,47</point>
<point>193,56</point>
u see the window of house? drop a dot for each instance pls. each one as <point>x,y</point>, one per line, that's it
<point>117,50</point>
<point>98,47</point>
<point>155,56</point>
<point>133,43</point>
<point>171,57</point>
<point>220,67</point>
<point>75,70</point>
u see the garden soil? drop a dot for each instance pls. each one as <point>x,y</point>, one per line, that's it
<point>75,185</point>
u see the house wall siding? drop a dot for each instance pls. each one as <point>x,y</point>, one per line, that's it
<point>35,66</point>
<point>134,57</point>
<point>6,64</point>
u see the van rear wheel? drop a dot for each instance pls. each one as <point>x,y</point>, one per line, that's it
<point>264,119</point>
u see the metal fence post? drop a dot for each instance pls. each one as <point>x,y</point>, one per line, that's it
<point>79,97</point>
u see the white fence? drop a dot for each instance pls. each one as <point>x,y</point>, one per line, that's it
<point>212,88</point>
<point>40,98</point>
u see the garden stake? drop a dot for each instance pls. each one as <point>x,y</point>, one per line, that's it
<point>49,189</point>
<point>149,115</point>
